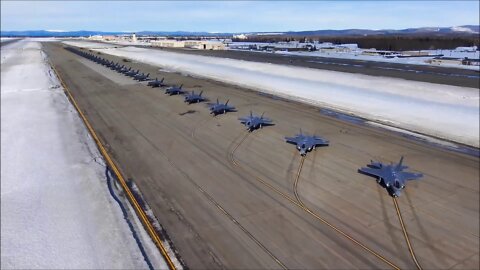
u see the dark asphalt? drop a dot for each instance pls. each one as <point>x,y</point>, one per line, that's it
<point>220,216</point>
<point>432,74</point>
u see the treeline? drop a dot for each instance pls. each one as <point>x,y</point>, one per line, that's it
<point>391,43</point>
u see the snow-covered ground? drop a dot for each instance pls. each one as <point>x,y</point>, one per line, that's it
<point>57,212</point>
<point>357,54</point>
<point>442,111</point>
<point>2,39</point>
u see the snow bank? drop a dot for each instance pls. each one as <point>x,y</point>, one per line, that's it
<point>3,39</point>
<point>443,111</point>
<point>89,44</point>
<point>56,209</point>
<point>357,55</point>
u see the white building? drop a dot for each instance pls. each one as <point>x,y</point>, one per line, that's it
<point>241,36</point>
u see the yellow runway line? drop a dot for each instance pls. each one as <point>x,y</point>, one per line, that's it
<point>143,216</point>
<point>300,204</point>
<point>405,234</point>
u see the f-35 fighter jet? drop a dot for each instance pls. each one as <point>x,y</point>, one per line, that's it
<point>194,98</point>
<point>124,69</point>
<point>220,108</point>
<point>132,73</point>
<point>141,77</point>
<point>156,83</point>
<point>306,143</point>
<point>253,122</point>
<point>391,176</point>
<point>174,90</point>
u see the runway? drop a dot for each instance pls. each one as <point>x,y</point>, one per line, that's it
<point>423,73</point>
<point>201,176</point>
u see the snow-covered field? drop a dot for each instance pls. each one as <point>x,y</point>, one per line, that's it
<point>57,212</point>
<point>356,54</point>
<point>442,111</point>
<point>2,39</point>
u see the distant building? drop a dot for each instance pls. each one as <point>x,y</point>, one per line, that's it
<point>96,37</point>
<point>471,62</point>
<point>445,60</point>
<point>204,45</point>
<point>109,38</point>
<point>241,36</point>
<point>416,53</point>
<point>374,52</point>
<point>466,49</point>
<point>192,44</point>
<point>134,37</point>
<point>168,43</point>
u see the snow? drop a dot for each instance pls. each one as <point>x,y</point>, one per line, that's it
<point>2,39</point>
<point>57,212</point>
<point>355,53</point>
<point>89,44</point>
<point>443,111</point>
<point>413,134</point>
<point>462,29</point>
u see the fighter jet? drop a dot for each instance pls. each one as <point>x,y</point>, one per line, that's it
<point>132,73</point>
<point>253,122</point>
<point>194,98</point>
<point>391,176</point>
<point>174,90</point>
<point>220,108</point>
<point>126,70</point>
<point>156,83</point>
<point>306,143</point>
<point>141,77</point>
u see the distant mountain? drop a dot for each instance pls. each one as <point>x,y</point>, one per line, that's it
<point>84,33</point>
<point>456,30</point>
<point>437,31</point>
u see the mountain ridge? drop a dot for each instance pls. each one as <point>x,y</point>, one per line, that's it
<point>453,30</point>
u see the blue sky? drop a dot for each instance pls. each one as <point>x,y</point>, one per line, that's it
<point>234,16</point>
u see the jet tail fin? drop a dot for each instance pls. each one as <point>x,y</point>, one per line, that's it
<point>201,92</point>
<point>399,165</point>
<point>227,101</point>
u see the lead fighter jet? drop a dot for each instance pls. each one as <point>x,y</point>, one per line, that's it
<point>253,122</point>
<point>306,143</point>
<point>218,108</point>
<point>391,176</point>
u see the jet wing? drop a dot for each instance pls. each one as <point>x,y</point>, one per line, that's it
<point>243,119</point>
<point>292,140</point>
<point>373,172</point>
<point>320,141</point>
<point>267,120</point>
<point>410,175</point>
<point>376,164</point>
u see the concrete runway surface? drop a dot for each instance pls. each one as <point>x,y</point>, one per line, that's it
<point>422,73</point>
<point>227,199</point>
